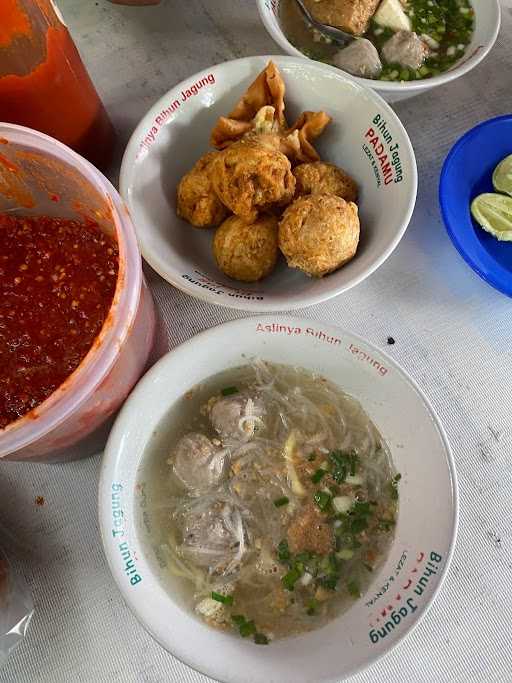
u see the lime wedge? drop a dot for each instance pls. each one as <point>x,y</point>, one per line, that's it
<point>502,176</point>
<point>493,212</point>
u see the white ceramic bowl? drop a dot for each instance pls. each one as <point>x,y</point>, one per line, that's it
<point>487,26</point>
<point>174,134</point>
<point>400,592</point>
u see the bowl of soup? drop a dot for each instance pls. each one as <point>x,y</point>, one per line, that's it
<point>402,47</point>
<point>266,507</point>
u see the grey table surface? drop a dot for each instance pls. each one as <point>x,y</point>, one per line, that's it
<point>453,334</point>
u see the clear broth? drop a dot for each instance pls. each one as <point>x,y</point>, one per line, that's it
<point>323,420</point>
<point>453,33</point>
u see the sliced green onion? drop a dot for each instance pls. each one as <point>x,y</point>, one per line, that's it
<point>318,476</point>
<point>358,524</point>
<point>304,557</point>
<point>362,508</point>
<point>386,524</point>
<point>345,464</point>
<point>283,552</point>
<point>312,607</point>
<point>393,486</point>
<point>353,589</point>
<point>325,564</point>
<point>228,391</point>
<point>238,619</point>
<point>279,502</point>
<point>248,628</point>
<point>260,639</point>
<point>345,554</point>
<point>290,579</point>
<point>224,599</point>
<point>322,500</point>
<point>329,582</point>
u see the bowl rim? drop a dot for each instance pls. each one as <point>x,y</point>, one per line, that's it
<point>109,459</point>
<point>130,156</point>
<point>389,87</point>
<point>499,278</point>
<point>67,398</point>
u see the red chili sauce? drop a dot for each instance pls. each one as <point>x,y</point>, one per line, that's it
<point>57,283</point>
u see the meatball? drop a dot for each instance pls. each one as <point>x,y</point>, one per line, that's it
<point>249,177</point>
<point>319,233</point>
<point>214,536</point>
<point>360,58</point>
<point>235,418</point>
<point>246,251</point>
<point>197,463</point>
<point>406,49</point>
<point>197,202</point>
<point>319,177</point>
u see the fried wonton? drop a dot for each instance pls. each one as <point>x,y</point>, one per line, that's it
<point>261,112</point>
<point>309,126</point>
<point>267,90</point>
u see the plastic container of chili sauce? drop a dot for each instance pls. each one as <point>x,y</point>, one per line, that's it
<point>44,184</point>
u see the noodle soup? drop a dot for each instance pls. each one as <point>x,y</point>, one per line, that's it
<point>271,500</point>
<point>402,40</point>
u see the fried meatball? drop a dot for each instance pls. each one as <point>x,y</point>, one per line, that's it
<point>319,177</point>
<point>197,202</point>
<point>249,177</point>
<point>246,251</point>
<point>319,233</point>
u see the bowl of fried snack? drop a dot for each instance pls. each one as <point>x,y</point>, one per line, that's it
<point>269,183</point>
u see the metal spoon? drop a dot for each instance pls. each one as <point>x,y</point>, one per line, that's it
<point>335,34</point>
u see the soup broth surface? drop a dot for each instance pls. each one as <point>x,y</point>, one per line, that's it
<point>445,27</point>
<point>270,499</point>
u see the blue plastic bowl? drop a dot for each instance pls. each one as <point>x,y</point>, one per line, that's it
<point>467,172</point>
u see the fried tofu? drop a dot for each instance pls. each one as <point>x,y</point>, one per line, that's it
<point>352,16</point>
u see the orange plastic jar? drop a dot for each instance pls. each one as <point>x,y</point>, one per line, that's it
<point>44,84</point>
